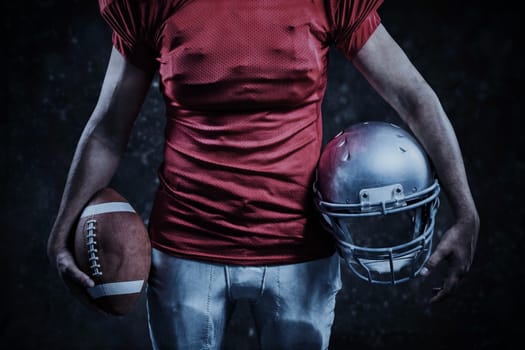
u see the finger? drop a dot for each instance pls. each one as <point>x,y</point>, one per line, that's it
<point>446,291</point>
<point>79,277</point>
<point>439,296</point>
<point>67,268</point>
<point>439,255</point>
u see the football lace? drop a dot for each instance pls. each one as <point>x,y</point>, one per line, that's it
<point>91,242</point>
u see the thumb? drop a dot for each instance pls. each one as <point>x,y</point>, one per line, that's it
<point>434,260</point>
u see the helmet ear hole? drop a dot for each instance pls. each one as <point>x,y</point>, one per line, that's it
<point>379,204</point>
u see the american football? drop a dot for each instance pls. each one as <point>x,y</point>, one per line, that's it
<point>112,246</point>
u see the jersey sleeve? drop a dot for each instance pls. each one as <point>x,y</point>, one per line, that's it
<point>352,23</point>
<point>133,23</point>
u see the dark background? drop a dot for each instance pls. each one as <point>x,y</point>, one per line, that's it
<point>54,63</point>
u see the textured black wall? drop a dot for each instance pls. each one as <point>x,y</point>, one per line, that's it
<point>56,56</point>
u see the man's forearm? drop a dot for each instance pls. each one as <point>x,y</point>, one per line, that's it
<point>429,123</point>
<point>92,168</point>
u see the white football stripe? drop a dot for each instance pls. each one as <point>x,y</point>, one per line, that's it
<point>116,288</point>
<point>111,207</point>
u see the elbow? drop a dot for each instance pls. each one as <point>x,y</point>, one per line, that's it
<point>418,104</point>
<point>109,135</point>
<point>109,140</point>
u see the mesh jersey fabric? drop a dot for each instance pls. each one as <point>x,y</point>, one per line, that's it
<point>243,82</point>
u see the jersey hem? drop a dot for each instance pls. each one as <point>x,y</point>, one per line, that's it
<point>245,260</point>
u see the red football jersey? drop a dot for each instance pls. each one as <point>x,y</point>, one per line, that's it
<point>243,82</point>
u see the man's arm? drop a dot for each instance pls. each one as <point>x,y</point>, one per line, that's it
<point>386,67</point>
<point>97,155</point>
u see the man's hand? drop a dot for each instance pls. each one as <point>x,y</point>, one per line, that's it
<point>67,268</point>
<point>457,247</point>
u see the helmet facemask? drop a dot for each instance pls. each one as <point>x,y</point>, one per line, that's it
<point>386,247</point>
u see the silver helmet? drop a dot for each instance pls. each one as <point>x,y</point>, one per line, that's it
<point>378,196</point>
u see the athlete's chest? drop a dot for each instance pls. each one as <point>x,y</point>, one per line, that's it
<point>245,47</point>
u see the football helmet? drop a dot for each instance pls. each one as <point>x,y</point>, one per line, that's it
<point>378,196</point>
